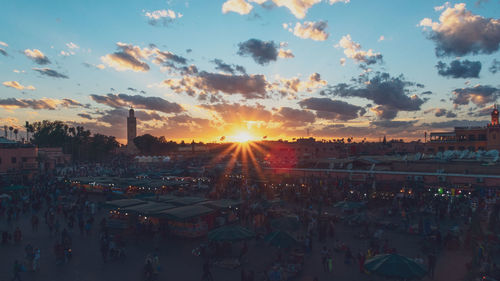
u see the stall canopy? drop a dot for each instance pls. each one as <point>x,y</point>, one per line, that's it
<point>221,204</point>
<point>188,200</point>
<point>14,188</point>
<point>186,212</point>
<point>150,208</point>
<point>230,233</point>
<point>281,239</point>
<point>395,266</point>
<point>123,203</point>
<point>349,205</point>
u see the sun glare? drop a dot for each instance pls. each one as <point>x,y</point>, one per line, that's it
<point>242,137</point>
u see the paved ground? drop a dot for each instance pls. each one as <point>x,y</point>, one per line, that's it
<point>180,265</point>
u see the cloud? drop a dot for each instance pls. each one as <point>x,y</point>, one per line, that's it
<point>45,103</point>
<point>263,52</point>
<point>137,101</point>
<point>291,117</point>
<point>118,116</point>
<point>332,109</point>
<point>238,6</point>
<point>285,54</point>
<point>249,86</point>
<point>353,51</point>
<point>495,66</point>
<point>3,52</point>
<point>391,94</point>
<point>37,56</point>
<point>459,32</point>
<point>4,44</point>
<point>298,8</point>
<point>162,16</point>
<point>381,38</point>
<point>440,112</point>
<point>478,95</point>
<point>97,66</point>
<point>238,113</point>
<point>166,57</point>
<point>85,116</point>
<point>128,57</point>
<point>228,68</point>
<point>294,85</point>
<point>50,72</point>
<point>454,123</point>
<point>72,45</point>
<point>311,30</point>
<point>16,85</point>
<point>459,69</point>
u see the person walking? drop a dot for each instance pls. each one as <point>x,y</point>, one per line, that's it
<point>36,260</point>
<point>17,270</point>
<point>207,275</point>
<point>431,259</point>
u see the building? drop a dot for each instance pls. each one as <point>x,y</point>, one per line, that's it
<point>131,129</point>
<point>471,138</point>
<point>51,157</point>
<point>18,161</point>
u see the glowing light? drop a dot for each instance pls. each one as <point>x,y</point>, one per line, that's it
<point>243,137</point>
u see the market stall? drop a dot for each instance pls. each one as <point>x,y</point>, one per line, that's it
<point>188,221</point>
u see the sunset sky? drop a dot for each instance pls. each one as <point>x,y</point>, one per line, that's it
<point>277,68</point>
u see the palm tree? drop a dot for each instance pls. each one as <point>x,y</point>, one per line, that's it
<point>5,130</point>
<point>10,129</point>
<point>15,133</point>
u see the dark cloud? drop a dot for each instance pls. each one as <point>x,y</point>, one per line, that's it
<point>85,116</point>
<point>228,68</point>
<point>459,69</point>
<point>495,66</point>
<point>478,95</point>
<point>137,101</point>
<point>426,93</point>
<point>292,117</point>
<point>249,86</point>
<point>132,89</point>
<point>50,72</point>
<point>440,112</point>
<point>459,32</point>
<point>263,52</point>
<point>189,50</point>
<point>391,94</point>
<point>37,56</point>
<point>393,124</point>
<point>163,57</point>
<point>119,115</point>
<point>46,103</point>
<point>3,52</point>
<point>454,123</point>
<point>332,109</point>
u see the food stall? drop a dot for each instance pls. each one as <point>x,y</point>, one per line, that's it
<point>188,221</point>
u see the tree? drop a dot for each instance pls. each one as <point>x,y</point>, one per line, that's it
<point>75,141</point>
<point>151,145</point>
<point>16,131</point>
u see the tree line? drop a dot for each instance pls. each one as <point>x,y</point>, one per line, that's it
<point>74,140</point>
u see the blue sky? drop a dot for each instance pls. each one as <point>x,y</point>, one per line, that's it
<point>80,82</point>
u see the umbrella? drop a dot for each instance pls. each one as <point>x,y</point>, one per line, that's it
<point>281,239</point>
<point>285,223</point>
<point>230,233</point>
<point>396,266</point>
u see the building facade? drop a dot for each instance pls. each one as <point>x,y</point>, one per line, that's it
<point>17,160</point>
<point>470,138</point>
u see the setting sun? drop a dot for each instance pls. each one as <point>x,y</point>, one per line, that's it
<point>243,137</point>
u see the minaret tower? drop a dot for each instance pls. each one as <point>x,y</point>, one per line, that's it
<point>494,116</point>
<point>131,128</point>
